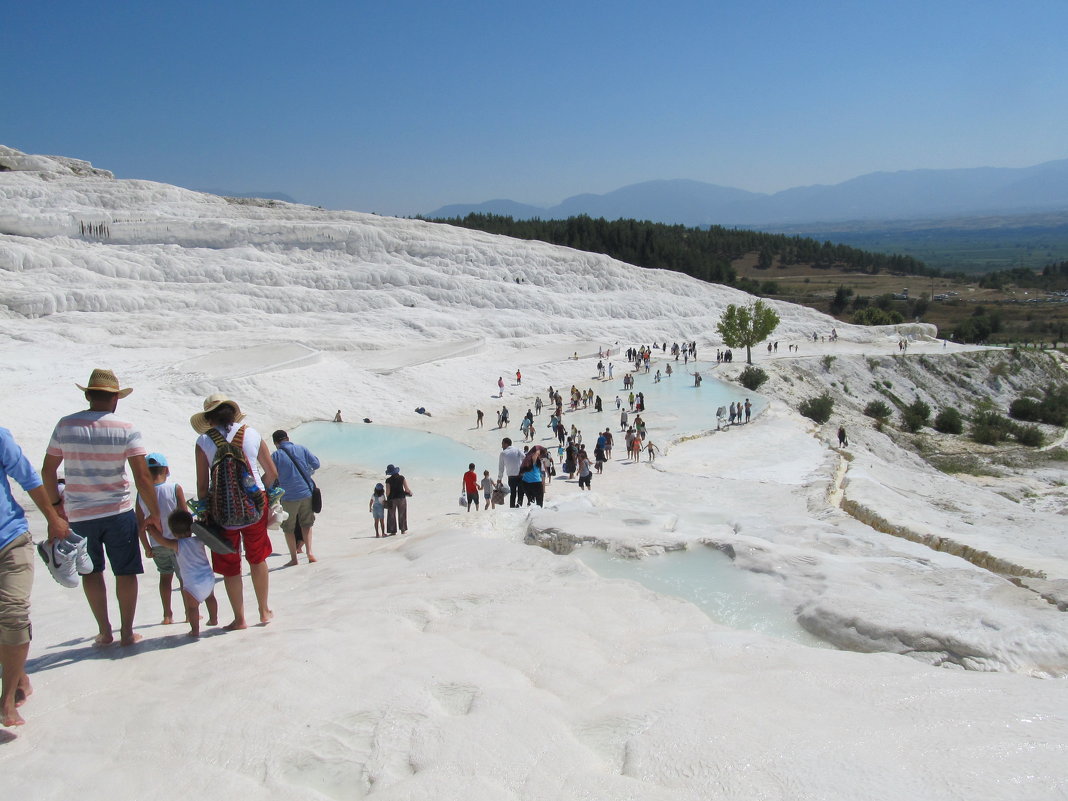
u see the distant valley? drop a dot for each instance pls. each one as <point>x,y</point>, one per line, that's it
<point>962,219</point>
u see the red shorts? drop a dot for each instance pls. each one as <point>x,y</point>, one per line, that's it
<point>257,547</point>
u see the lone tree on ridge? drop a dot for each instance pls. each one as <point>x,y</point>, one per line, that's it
<point>745,326</point>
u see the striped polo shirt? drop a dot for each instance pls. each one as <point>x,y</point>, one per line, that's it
<point>94,447</point>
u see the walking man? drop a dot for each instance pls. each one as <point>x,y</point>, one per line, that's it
<point>96,447</point>
<point>16,573</point>
<point>508,464</point>
<point>295,465</point>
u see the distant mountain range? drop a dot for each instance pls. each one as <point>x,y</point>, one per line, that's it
<point>909,194</point>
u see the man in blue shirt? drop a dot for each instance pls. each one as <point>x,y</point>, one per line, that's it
<point>16,572</point>
<point>295,465</point>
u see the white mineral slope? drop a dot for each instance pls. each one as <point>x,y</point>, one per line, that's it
<point>457,662</point>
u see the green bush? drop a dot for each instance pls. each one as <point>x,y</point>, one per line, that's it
<point>990,428</point>
<point>818,409</point>
<point>1051,408</point>
<point>877,409</point>
<point>827,361</point>
<point>1024,409</point>
<point>949,421</point>
<point>752,377</point>
<point>1029,435</point>
<point>915,415</point>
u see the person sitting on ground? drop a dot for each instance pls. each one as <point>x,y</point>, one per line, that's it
<point>337,417</point>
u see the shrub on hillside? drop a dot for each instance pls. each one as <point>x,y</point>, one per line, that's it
<point>876,316</point>
<point>752,377</point>
<point>990,428</point>
<point>1051,408</point>
<point>877,409</point>
<point>818,409</point>
<point>949,421</point>
<point>915,415</point>
<point>1024,409</point>
<point>1029,435</point>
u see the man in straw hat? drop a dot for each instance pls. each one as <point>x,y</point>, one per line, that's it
<point>96,445</point>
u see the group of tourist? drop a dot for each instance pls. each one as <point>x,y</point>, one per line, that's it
<point>93,522</point>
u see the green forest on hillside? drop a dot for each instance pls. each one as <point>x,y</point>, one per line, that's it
<point>704,253</point>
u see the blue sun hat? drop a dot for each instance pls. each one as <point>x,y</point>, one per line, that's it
<point>391,470</point>
<point>156,460</point>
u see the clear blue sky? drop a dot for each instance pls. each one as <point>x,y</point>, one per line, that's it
<point>400,107</point>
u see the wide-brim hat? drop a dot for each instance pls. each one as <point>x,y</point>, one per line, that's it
<point>104,381</point>
<point>392,470</point>
<point>199,421</point>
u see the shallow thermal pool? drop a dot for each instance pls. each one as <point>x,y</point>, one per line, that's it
<point>674,406</point>
<point>372,447</point>
<point>708,578</point>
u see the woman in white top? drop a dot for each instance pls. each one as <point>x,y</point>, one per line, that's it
<point>224,415</point>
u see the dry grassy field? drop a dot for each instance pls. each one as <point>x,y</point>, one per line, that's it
<point>1023,320</point>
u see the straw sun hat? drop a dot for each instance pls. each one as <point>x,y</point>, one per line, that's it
<point>104,381</point>
<point>199,421</point>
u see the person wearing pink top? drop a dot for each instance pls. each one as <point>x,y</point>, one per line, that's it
<point>95,446</point>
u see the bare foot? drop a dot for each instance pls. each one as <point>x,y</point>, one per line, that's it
<point>167,620</point>
<point>23,691</point>
<point>131,639</point>
<point>194,633</point>
<point>237,625</point>
<point>213,621</point>
<point>11,717</point>
<point>267,616</point>
<point>290,563</point>
<point>312,558</point>
<point>102,639</point>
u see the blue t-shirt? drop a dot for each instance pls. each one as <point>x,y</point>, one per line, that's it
<point>13,464</point>
<point>533,475</point>
<point>289,477</point>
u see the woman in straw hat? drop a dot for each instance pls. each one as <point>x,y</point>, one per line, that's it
<point>223,415</point>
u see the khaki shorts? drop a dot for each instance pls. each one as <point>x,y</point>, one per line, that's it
<point>299,512</point>
<point>16,581</point>
<point>166,561</point>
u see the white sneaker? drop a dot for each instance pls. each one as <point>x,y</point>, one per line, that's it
<point>82,561</point>
<point>60,557</point>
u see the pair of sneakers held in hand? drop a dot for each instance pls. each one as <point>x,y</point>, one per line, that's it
<point>67,559</point>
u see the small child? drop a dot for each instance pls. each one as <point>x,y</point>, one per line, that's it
<point>487,489</point>
<point>651,450</point>
<point>470,486</point>
<point>169,496</point>
<point>377,508</point>
<point>198,585</point>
